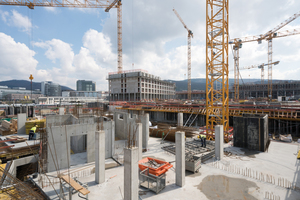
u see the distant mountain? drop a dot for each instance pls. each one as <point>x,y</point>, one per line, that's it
<point>26,84</point>
<point>200,83</point>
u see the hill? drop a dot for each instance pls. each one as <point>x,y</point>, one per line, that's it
<point>26,84</point>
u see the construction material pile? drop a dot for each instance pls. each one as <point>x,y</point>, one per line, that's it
<point>167,132</point>
<point>9,128</point>
<point>16,139</point>
<point>29,124</point>
<point>152,164</point>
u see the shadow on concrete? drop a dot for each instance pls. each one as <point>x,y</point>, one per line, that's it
<point>295,194</point>
<point>191,174</point>
<point>168,188</point>
<point>237,151</point>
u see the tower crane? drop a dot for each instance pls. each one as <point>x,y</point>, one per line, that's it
<point>190,34</point>
<point>261,67</point>
<point>237,44</point>
<point>217,89</point>
<point>118,4</point>
<point>78,4</point>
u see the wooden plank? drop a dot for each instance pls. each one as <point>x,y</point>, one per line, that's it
<point>74,184</point>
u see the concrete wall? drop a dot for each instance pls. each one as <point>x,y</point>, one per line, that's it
<point>251,132</point>
<point>123,120</point>
<point>21,123</point>
<point>18,162</point>
<point>62,135</point>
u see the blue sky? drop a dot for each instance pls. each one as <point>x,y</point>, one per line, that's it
<point>67,44</point>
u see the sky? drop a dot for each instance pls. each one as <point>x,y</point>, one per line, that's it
<point>68,44</point>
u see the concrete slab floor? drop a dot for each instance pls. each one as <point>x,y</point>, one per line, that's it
<point>211,182</point>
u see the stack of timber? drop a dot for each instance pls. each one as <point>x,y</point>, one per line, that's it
<point>166,132</point>
<point>29,124</point>
<point>8,128</point>
<point>18,139</point>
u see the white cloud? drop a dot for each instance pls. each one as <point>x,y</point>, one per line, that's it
<point>17,60</point>
<point>59,50</point>
<point>93,62</point>
<point>16,19</point>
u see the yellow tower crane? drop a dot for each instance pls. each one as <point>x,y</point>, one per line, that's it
<point>78,4</point>
<point>237,44</point>
<point>217,94</point>
<point>189,67</point>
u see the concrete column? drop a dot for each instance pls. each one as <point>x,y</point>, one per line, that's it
<point>219,140</point>
<point>99,157</point>
<point>297,128</point>
<point>279,128</point>
<point>180,158</point>
<point>139,140</point>
<point>61,111</point>
<point>179,119</point>
<point>146,131</point>
<point>26,110</point>
<point>131,174</point>
<point>21,123</point>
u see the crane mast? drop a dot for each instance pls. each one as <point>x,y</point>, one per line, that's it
<point>118,4</point>
<point>189,67</point>
<point>217,94</point>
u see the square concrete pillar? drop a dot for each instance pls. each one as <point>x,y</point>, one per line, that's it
<point>219,141</point>
<point>179,119</point>
<point>131,174</point>
<point>180,158</point>
<point>21,123</point>
<point>99,157</point>
<point>61,111</point>
<point>139,140</point>
<point>26,110</point>
<point>145,130</point>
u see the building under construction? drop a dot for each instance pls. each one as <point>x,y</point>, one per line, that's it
<point>138,85</point>
<point>279,88</point>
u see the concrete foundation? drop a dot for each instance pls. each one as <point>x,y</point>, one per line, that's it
<point>219,141</point>
<point>131,181</point>
<point>100,157</point>
<point>21,123</point>
<point>180,119</point>
<point>180,158</point>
